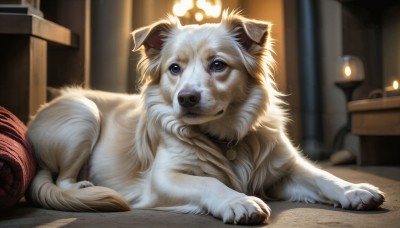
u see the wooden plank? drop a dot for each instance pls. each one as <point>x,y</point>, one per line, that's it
<point>376,117</point>
<point>36,26</point>
<point>14,73</point>
<point>376,123</point>
<point>38,74</point>
<point>374,104</point>
<point>23,69</point>
<point>50,31</point>
<point>15,24</point>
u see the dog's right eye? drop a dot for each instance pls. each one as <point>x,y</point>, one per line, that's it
<point>217,66</point>
<point>175,69</point>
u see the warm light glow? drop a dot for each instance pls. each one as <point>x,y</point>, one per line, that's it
<point>395,84</point>
<point>351,69</point>
<point>347,71</point>
<point>207,7</point>
<point>59,222</point>
<point>211,8</point>
<point>201,3</point>
<point>216,11</point>
<point>187,3</point>
<point>179,10</point>
<point>198,16</point>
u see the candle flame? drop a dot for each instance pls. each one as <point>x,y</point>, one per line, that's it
<point>395,84</point>
<point>347,71</point>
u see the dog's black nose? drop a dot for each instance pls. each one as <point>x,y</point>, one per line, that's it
<point>188,98</point>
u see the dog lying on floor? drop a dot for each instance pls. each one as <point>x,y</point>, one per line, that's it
<point>206,135</point>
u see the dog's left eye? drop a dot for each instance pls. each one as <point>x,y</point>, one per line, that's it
<point>217,66</point>
<point>175,69</point>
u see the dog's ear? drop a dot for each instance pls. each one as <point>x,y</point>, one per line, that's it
<point>247,32</point>
<point>152,37</point>
<point>254,32</point>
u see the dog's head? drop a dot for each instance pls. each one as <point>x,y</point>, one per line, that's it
<point>212,75</point>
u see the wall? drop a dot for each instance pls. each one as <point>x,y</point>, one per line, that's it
<point>110,41</point>
<point>334,103</point>
<point>391,45</point>
<point>329,27</point>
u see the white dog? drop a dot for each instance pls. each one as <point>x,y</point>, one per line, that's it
<point>207,134</point>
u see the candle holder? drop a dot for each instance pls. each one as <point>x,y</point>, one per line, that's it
<point>393,90</point>
<point>351,76</point>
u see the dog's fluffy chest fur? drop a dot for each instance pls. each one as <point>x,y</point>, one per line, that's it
<point>198,156</point>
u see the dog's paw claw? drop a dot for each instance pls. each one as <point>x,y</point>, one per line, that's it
<point>362,197</point>
<point>247,210</point>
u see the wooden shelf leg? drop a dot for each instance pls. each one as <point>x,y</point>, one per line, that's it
<point>37,74</point>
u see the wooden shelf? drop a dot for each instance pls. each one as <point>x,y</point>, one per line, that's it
<point>24,60</point>
<point>375,104</point>
<point>21,24</point>
<point>376,116</point>
<point>377,122</point>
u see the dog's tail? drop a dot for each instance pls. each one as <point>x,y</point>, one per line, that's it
<point>45,193</point>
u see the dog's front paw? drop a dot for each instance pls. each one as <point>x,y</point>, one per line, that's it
<point>361,197</point>
<point>245,210</point>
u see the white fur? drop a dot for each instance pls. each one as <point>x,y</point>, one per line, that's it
<point>147,151</point>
